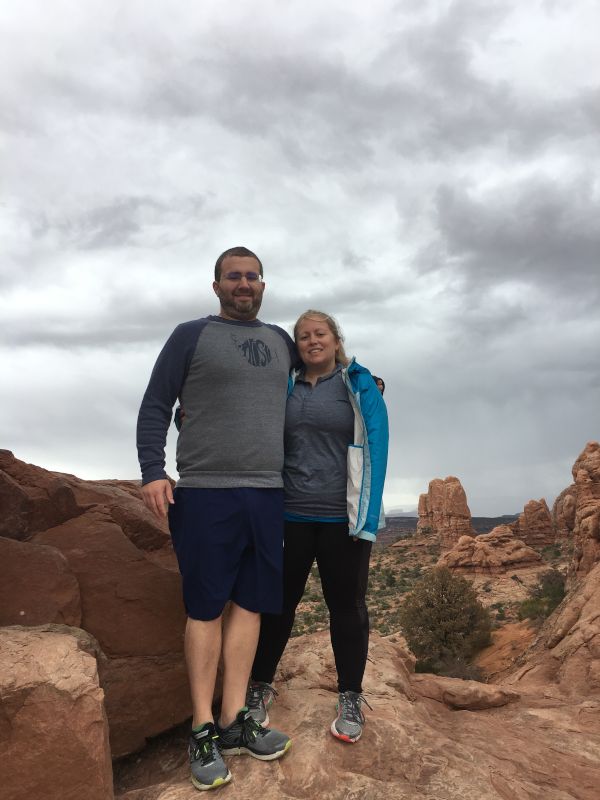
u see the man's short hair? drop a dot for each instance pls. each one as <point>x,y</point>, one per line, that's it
<point>242,252</point>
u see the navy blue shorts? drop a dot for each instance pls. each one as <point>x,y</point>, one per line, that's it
<point>229,546</point>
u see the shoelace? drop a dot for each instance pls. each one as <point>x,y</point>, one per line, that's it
<point>204,750</point>
<point>257,694</point>
<point>350,702</point>
<point>251,730</point>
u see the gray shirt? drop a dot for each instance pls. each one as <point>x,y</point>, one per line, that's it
<point>231,379</point>
<point>319,426</point>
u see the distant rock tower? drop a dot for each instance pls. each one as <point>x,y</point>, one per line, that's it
<point>444,511</point>
<point>586,528</point>
<point>534,526</point>
<point>563,511</point>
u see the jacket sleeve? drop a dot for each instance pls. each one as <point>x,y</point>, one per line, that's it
<point>166,382</point>
<point>376,422</point>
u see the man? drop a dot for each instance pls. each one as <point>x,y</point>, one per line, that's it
<point>226,514</point>
<point>380,383</point>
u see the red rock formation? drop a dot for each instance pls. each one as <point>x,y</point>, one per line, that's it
<point>586,530</point>
<point>534,526</point>
<point>417,743</point>
<point>444,511</point>
<point>563,511</point>
<point>489,554</point>
<point>566,653</point>
<point>111,570</point>
<point>53,727</point>
<point>37,586</point>
<point>32,499</point>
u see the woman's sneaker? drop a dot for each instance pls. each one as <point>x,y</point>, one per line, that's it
<point>259,698</point>
<point>246,736</point>
<point>348,725</point>
<point>207,765</point>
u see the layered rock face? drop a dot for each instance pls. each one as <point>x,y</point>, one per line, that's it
<point>98,560</point>
<point>586,528</point>
<point>563,511</point>
<point>491,553</point>
<point>56,597</point>
<point>53,727</point>
<point>444,511</point>
<point>566,653</point>
<point>534,526</point>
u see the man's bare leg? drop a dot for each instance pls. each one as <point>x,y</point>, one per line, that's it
<point>202,651</point>
<point>240,639</point>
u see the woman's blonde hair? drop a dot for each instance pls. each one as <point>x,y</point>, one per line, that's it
<point>340,357</point>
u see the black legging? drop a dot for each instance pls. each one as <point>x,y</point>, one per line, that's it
<point>344,570</point>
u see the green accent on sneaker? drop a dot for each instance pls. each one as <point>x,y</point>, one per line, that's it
<point>198,728</point>
<point>245,736</point>
<point>206,762</point>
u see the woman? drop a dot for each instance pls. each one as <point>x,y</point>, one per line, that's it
<point>336,439</point>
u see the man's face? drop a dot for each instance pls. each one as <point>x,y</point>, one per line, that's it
<point>239,291</point>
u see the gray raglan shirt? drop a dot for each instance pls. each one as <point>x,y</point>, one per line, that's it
<point>231,379</point>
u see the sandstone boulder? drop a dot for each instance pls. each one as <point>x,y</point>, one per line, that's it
<point>461,694</point>
<point>97,558</point>
<point>32,499</point>
<point>53,728</point>
<point>133,608</point>
<point>534,526</point>
<point>444,511</point>
<point>36,585</point>
<point>489,554</point>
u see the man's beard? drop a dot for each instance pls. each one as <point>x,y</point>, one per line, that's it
<point>243,310</point>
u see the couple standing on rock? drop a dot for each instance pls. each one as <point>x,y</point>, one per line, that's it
<point>282,455</point>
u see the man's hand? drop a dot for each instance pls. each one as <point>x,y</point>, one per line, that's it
<point>157,497</point>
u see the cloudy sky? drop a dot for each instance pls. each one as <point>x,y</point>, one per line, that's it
<point>427,172</point>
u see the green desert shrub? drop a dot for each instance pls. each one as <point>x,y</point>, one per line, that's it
<point>545,597</point>
<point>443,621</point>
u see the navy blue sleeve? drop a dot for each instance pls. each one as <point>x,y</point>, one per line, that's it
<point>165,386</point>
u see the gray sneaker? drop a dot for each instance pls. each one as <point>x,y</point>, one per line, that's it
<point>259,698</point>
<point>208,768</point>
<point>246,736</point>
<point>348,724</point>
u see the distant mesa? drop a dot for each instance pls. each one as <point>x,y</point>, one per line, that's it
<point>400,512</point>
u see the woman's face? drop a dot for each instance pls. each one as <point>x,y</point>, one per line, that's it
<point>316,344</point>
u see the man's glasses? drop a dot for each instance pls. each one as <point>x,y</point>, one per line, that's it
<point>251,277</point>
